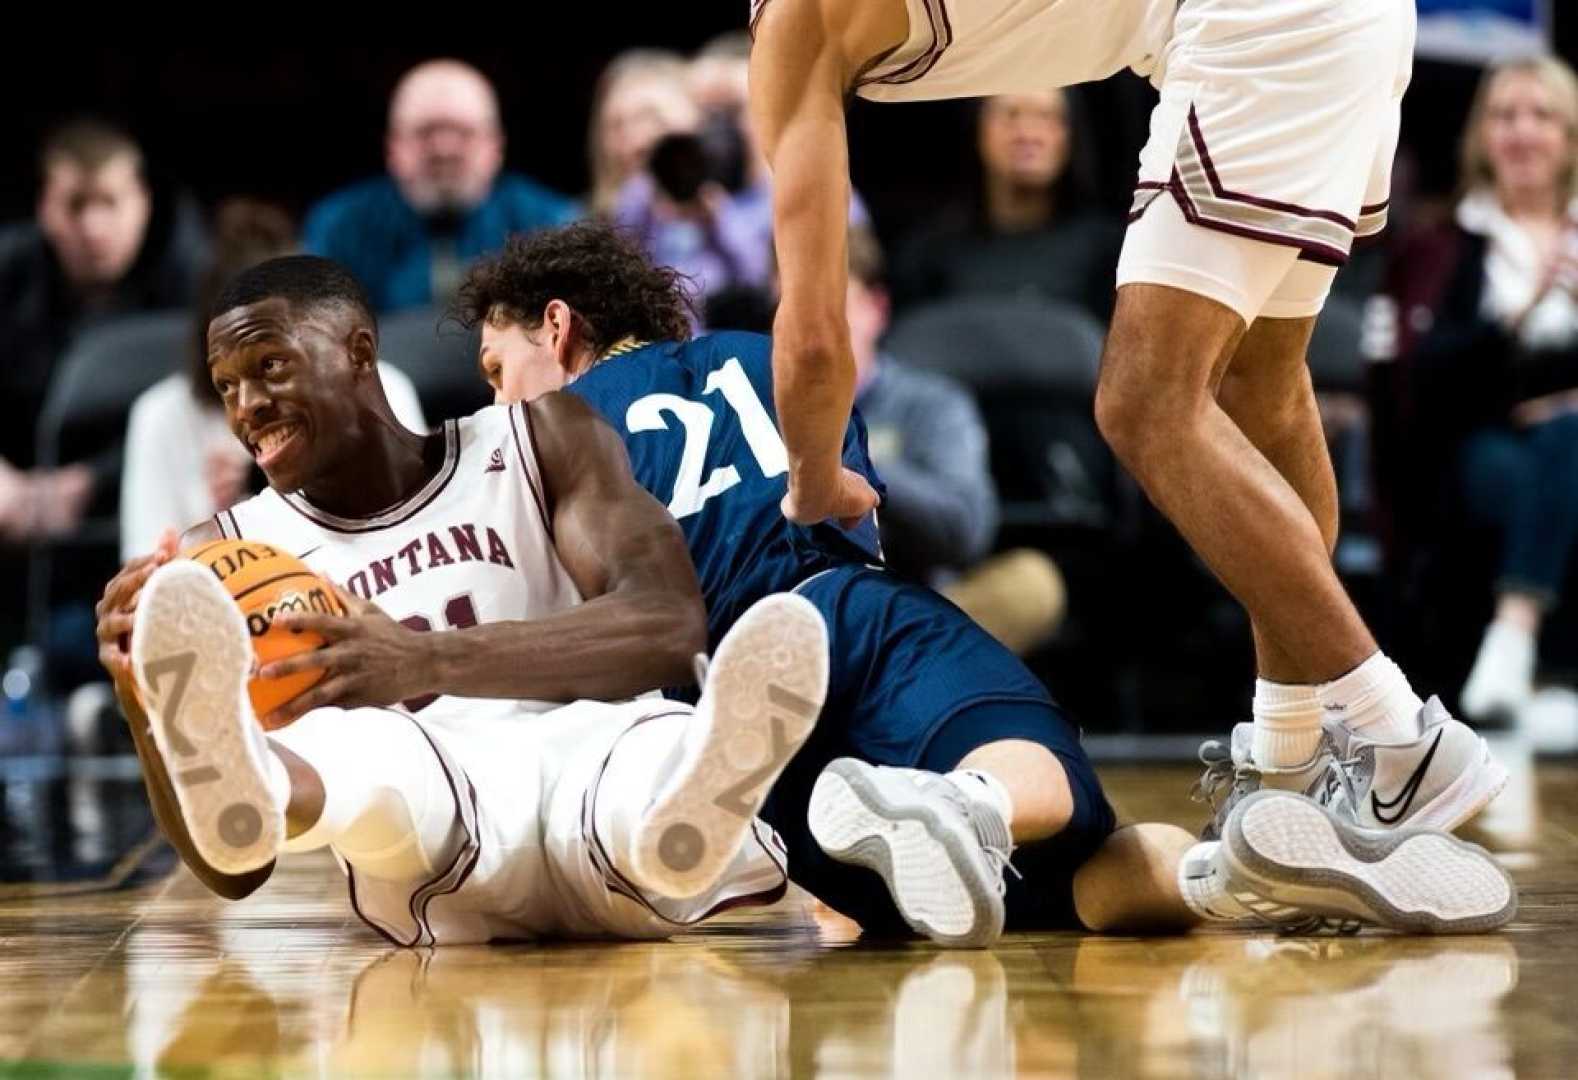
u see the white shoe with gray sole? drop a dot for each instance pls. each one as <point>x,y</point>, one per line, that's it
<point>761,696</point>
<point>941,853</point>
<point>1286,858</point>
<point>191,657</point>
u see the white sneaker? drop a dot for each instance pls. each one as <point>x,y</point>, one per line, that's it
<point>1502,679</point>
<point>191,657</point>
<point>941,853</point>
<point>1550,721</point>
<point>1231,774</point>
<point>760,699</point>
<point>1438,780</point>
<point>1291,861</point>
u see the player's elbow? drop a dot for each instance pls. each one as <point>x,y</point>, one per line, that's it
<point>687,636</point>
<point>812,345</point>
<point>670,621</point>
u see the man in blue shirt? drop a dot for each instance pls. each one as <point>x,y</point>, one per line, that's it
<point>408,235</point>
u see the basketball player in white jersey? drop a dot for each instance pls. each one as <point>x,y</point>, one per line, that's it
<point>496,570</point>
<point>1269,154</point>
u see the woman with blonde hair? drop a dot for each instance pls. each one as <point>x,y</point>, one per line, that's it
<point>641,96</point>
<point>1495,354</point>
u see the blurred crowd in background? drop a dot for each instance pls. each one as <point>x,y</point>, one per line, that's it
<point>1446,363</point>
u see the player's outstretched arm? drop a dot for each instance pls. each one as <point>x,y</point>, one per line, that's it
<point>799,76</point>
<point>641,623</point>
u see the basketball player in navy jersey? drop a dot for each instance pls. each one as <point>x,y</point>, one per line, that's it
<point>497,569</point>
<point>1270,152</point>
<point>938,751</point>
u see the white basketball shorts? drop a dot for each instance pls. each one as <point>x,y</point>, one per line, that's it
<point>1270,150</point>
<point>532,863</point>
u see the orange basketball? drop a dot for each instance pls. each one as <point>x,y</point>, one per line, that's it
<point>266,582</point>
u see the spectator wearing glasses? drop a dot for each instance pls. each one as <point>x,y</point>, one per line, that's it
<point>445,199</point>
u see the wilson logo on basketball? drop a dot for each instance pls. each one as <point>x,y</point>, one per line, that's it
<point>314,600</point>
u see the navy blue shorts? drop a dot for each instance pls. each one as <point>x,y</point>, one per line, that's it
<point>915,682</point>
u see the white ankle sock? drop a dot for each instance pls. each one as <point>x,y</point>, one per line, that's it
<point>1287,724</point>
<point>1374,698</point>
<point>988,788</point>
<point>1203,889</point>
<point>398,824</point>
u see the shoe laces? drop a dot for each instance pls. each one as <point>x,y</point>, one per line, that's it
<point>1339,778</point>
<point>1221,772</point>
<point>989,828</point>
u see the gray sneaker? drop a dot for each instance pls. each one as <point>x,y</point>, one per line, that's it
<point>1230,775</point>
<point>1437,780</point>
<point>1301,867</point>
<point>941,853</point>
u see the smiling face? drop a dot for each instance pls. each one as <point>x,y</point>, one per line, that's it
<point>290,381</point>
<point>1528,140</point>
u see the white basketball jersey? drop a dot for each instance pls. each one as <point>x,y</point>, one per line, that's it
<point>973,48</point>
<point>473,546</point>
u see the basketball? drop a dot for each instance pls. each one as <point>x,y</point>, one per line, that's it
<point>266,582</point>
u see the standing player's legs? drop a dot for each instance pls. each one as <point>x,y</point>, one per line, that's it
<point>1167,352</point>
<point>1251,177</point>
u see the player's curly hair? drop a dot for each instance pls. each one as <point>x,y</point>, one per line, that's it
<point>604,276</point>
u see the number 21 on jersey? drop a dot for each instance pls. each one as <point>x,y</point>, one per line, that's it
<point>691,489</point>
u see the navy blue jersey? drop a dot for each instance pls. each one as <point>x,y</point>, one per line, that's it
<point>699,422</point>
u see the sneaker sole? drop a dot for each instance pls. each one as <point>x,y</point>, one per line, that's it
<point>1289,850</point>
<point>931,866</point>
<point>191,656</point>
<point>1464,797</point>
<point>764,692</point>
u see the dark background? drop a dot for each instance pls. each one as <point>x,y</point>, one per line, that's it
<point>290,117</point>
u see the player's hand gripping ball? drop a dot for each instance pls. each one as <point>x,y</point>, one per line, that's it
<point>266,582</point>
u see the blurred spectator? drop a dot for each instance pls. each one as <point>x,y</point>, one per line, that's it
<point>1027,231</point>
<point>102,245</point>
<point>703,202</point>
<point>182,463</point>
<point>641,97</point>
<point>1488,319</point>
<point>929,443</point>
<point>409,235</point>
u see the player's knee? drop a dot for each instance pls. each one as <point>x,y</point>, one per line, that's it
<point>1257,401</point>
<point>1134,422</point>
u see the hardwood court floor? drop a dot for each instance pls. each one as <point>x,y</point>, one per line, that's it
<point>167,980</point>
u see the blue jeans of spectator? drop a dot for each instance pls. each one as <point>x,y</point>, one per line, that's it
<point>1524,484</point>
